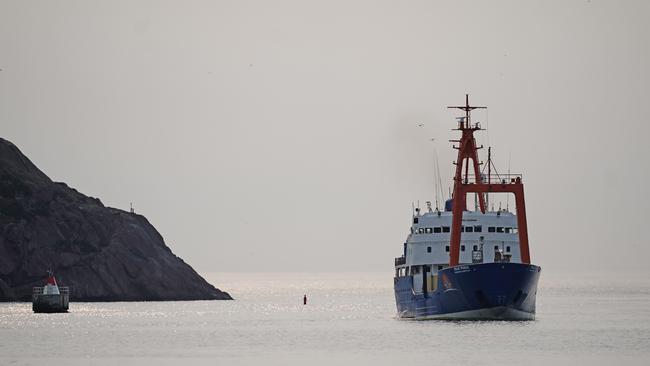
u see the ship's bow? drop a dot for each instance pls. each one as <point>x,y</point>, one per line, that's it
<point>490,291</point>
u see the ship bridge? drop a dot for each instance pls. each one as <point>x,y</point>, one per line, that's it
<point>489,237</point>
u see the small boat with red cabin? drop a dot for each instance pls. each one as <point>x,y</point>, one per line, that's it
<point>468,265</point>
<point>50,298</point>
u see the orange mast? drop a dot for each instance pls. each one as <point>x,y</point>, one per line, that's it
<point>467,150</point>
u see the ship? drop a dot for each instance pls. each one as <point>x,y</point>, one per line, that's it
<point>460,264</point>
<point>50,298</point>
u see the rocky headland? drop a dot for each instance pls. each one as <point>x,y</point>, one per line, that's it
<point>100,253</point>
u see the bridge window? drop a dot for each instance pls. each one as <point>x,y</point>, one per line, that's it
<point>445,229</point>
<point>496,247</point>
<point>500,229</point>
<point>508,249</point>
<point>462,248</point>
<point>429,249</point>
<point>475,248</point>
<point>415,220</point>
<point>515,230</point>
<point>491,229</point>
<point>478,228</point>
<point>507,229</point>
<point>428,230</point>
<point>420,230</point>
<point>437,230</point>
<point>469,229</point>
<point>447,248</point>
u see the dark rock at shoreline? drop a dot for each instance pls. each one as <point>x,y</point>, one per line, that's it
<point>101,253</point>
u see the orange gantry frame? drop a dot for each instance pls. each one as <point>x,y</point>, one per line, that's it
<point>467,150</point>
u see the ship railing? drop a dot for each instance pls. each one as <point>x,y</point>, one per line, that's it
<point>494,179</point>
<point>400,261</point>
<point>39,290</point>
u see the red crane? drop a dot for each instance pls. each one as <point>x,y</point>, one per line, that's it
<point>467,150</point>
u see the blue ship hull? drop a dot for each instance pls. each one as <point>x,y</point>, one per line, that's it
<point>485,291</point>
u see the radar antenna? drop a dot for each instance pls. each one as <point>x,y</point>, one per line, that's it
<point>467,108</point>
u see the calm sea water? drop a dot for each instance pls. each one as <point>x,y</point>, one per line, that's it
<point>600,319</point>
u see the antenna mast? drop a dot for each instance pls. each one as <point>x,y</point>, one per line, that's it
<point>467,150</point>
<point>435,174</point>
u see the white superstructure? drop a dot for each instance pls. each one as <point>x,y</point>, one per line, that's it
<point>489,237</point>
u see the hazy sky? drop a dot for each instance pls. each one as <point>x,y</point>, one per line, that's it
<point>283,135</point>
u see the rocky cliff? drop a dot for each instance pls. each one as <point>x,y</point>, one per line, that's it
<point>101,253</point>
